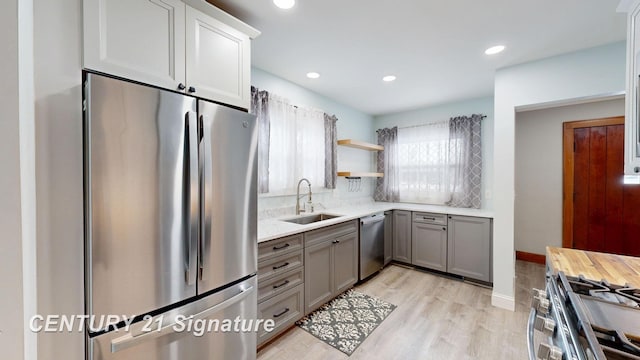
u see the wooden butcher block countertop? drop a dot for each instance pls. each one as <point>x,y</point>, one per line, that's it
<point>616,269</point>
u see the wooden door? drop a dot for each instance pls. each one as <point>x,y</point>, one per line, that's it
<point>600,212</point>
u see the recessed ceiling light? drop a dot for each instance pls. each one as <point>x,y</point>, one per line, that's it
<point>388,78</point>
<point>284,4</point>
<point>313,75</point>
<point>494,50</point>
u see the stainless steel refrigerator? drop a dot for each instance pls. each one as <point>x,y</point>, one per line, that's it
<point>170,222</point>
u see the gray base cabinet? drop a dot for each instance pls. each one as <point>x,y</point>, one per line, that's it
<point>429,240</point>
<point>284,309</point>
<point>429,246</point>
<point>280,283</point>
<point>469,247</point>
<point>331,263</point>
<point>318,280</point>
<point>388,237</point>
<point>402,236</point>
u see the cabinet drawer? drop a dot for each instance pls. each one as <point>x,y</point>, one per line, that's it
<point>280,283</point>
<point>329,232</point>
<point>278,247</point>
<point>278,265</point>
<point>285,309</point>
<point>430,218</point>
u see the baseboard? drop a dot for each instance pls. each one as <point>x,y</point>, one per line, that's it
<point>530,257</point>
<point>503,301</point>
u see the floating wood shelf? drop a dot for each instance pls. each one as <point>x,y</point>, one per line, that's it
<point>360,145</point>
<point>360,174</point>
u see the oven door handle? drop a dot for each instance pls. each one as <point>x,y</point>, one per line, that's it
<point>530,330</point>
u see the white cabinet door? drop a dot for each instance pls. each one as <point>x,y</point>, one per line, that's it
<point>141,40</point>
<point>218,60</point>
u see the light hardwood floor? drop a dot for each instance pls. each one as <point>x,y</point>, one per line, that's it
<point>436,318</point>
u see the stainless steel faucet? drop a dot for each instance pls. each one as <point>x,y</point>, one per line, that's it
<point>298,211</point>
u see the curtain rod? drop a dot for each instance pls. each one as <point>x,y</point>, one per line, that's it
<point>439,122</point>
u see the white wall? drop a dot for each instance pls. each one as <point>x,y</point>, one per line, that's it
<point>585,73</point>
<point>17,183</point>
<point>351,124</point>
<point>58,106</point>
<point>11,301</point>
<point>444,112</point>
<point>538,170</point>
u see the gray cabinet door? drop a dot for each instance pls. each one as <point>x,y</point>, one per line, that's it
<point>469,247</point>
<point>429,246</point>
<point>318,275</point>
<point>345,262</point>
<point>402,236</point>
<point>388,237</point>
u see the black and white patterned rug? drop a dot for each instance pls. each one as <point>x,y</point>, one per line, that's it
<point>346,321</point>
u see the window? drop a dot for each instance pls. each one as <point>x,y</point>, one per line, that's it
<point>296,145</point>
<point>425,165</point>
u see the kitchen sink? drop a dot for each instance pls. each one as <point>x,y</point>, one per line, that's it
<point>308,219</point>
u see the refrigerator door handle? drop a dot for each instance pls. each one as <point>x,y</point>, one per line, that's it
<point>130,339</point>
<point>191,133</point>
<point>207,188</point>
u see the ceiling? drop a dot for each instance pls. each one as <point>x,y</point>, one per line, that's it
<point>435,48</point>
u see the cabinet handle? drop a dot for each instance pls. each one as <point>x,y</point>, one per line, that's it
<point>281,285</point>
<point>444,228</point>
<point>281,313</point>
<point>280,266</point>
<point>191,89</point>
<point>428,218</point>
<point>181,86</point>
<point>281,247</point>
<point>336,241</point>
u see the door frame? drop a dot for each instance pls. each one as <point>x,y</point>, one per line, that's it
<point>568,173</point>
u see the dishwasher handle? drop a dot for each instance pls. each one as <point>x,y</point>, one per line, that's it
<point>372,219</point>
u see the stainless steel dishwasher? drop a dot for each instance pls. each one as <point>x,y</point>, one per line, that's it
<point>371,245</point>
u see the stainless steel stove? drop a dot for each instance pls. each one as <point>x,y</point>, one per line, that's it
<point>584,319</point>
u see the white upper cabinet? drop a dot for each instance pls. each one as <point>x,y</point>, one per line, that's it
<point>632,144</point>
<point>141,40</point>
<point>188,46</point>
<point>218,60</point>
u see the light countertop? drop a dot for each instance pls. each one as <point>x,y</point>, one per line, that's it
<point>270,229</point>
<point>616,269</point>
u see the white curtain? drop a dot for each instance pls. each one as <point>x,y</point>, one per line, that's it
<point>297,148</point>
<point>425,172</point>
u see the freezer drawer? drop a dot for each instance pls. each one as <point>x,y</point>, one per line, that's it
<point>174,341</point>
